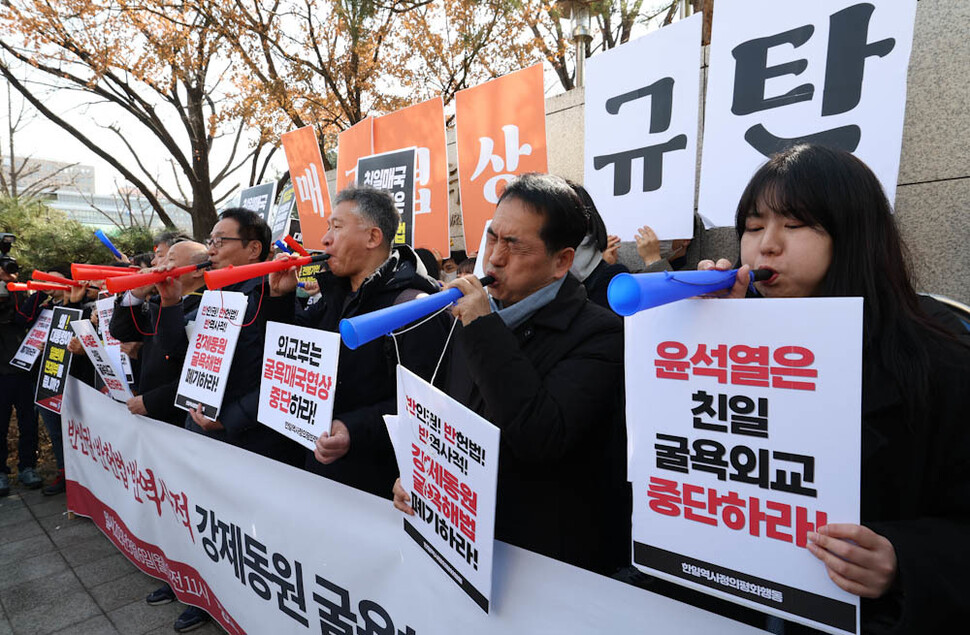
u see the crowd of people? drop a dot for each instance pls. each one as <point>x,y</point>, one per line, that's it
<point>540,355</point>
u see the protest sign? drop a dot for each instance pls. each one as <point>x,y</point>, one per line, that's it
<point>448,459</point>
<point>296,390</point>
<point>105,308</point>
<point>259,199</point>
<point>29,349</point>
<point>281,213</point>
<point>309,183</point>
<point>56,360</point>
<point>422,126</point>
<point>353,143</point>
<point>831,72</point>
<point>209,356</point>
<point>267,548</point>
<point>641,131</point>
<point>393,172</point>
<point>743,440</point>
<point>500,132</point>
<point>107,371</point>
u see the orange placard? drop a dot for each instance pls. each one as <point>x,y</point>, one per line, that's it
<point>309,184</point>
<point>501,132</point>
<point>422,126</point>
<point>353,143</point>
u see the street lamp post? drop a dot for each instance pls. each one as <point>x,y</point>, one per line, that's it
<point>577,12</point>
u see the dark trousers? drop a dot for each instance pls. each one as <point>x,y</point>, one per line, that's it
<point>17,391</point>
<point>52,421</point>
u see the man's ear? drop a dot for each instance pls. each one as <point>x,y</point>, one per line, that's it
<point>564,260</point>
<point>254,248</point>
<point>375,237</point>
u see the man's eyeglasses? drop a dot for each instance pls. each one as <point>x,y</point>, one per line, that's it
<point>218,241</point>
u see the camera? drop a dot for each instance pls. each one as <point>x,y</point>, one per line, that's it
<point>7,262</point>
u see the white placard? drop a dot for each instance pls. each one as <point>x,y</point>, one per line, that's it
<point>109,373</point>
<point>193,506</point>
<point>211,347</point>
<point>448,459</point>
<point>296,391</point>
<point>112,347</point>
<point>743,420</point>
<point>642,101</point>
<point>30,349</point>
<point>832,71</point>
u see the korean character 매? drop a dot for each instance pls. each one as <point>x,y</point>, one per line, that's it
<point>708,456</point>
<point>335,618</point>
<point>745,461</point>
<point>792,481</point>
<point>693,508</point>
<point>672,457</point>
<point>702,361</point>
<point>382,625</point>
<point>669,366</point>
<point>749,365</point>
<point>744,420</point>
<point>802,526</point>
<point>793,362</point>
<point>732,513</point>
<point>450,433</point>
<point>781,518</point>
<point>664,496</point>
<point>705,407</point>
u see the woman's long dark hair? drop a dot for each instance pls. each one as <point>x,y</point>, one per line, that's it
<point>832,189</point>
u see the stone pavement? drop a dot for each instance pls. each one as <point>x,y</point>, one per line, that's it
<point>60,575</point>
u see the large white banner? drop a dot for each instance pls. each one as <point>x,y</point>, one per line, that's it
<point>212,344</point>
<point>642,100</point>
<point>742,440</point>
<point>448,459</point>
<point>296,391</point>
<point>267,548</point>
<point>828,71</point>
<point>30,349</point>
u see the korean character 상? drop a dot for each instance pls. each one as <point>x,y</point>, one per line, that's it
<point>670,366</point>
<point>793,361</point>
<point>702,362</point>
<point>749,365</point>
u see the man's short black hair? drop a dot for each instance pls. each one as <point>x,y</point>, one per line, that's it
<point>376,206</point>
<point>251,227</point>
<point>551,196</point>
<point>169,238</point>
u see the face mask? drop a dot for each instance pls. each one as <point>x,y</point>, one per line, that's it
<point>301,293</point>
<point>448,277</point>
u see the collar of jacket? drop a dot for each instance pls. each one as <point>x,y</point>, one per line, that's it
<point>401,270</point>
<point>564,308</point>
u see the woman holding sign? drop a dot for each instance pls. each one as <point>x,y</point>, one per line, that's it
<point>819,221</point>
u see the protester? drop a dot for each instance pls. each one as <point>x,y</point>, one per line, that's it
<point>160,371</point>
<point>163,242</point>
<point>449,266</point>
<point>819,220</point>
<point>589,265</point>
<point>539,361</point>
<point>432,266</point>
<point>18,311</point>
<point>365,272</point>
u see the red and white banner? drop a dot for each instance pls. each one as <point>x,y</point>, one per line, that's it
<point>742,441</point>
<point>105,308</point>
<point>266,548</point>
<point>33,343</point>
<point>109,373</point>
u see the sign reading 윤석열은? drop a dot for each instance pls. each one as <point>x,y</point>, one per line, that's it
<point>641,132</point>
<point>830,72</point>
<point>393,172</point>
<point>56,360</point>
<point>110,374</point>
<point>29,350</point>
<point>743,440</point>
<point>297,387</point>
<point>211,347</point>
<point>448,459</point>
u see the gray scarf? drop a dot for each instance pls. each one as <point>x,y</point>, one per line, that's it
<point>586,259</point>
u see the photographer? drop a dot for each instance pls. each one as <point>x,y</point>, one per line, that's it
<point>17,313</point>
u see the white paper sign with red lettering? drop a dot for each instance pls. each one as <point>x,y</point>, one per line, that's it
<point>110,374</point>
<point>448,459</point>
<point>298,381</point>
<point>30,349</point>
<point>211,347</point>
<point>112,347</point>
<point>744,432</point>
